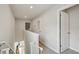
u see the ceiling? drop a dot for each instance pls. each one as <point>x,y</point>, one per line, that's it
<point>29,11</point>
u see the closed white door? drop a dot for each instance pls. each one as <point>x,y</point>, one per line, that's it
<point>64,31</point>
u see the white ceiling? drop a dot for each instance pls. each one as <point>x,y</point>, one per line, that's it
<point>22,10</point>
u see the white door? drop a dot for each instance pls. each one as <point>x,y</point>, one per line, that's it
<point>31,40</point>
<point>64,31</point>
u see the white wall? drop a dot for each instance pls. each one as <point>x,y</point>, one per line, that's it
<point>49,26</point>
<point>35,26</point>
<point>74,27</point>
<point>19,29</point>
<point>7,25</point>
<point>31,40</point>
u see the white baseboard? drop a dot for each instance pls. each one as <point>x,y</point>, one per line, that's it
<point>64,49</point>
<point>74,49</point>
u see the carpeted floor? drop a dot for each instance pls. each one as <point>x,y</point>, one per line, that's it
<point>46,50</point>
<point>70,51</point>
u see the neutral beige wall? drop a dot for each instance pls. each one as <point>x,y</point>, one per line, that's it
<point>74,27</point>
<point>19,29</point>
<point>7,25</point>
<point>49,26</point>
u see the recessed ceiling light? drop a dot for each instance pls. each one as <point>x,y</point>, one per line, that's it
<point>25,16</point>
<point>31,7</point>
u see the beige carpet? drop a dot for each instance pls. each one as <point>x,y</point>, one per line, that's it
<point>70,51</point>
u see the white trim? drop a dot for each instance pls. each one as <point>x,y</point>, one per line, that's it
<point>58,20</point>
<point>67,7</point>
<point>74,49</point>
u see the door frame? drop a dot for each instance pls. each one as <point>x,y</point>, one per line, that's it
<point>59,22</point>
